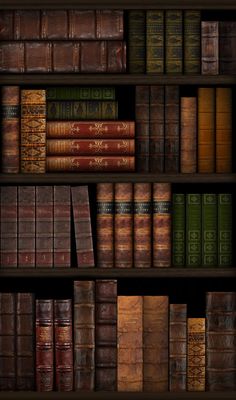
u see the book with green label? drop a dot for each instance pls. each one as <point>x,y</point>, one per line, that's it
<point>193,230</point>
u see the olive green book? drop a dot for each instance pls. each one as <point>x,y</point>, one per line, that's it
<point>178,230</point>
<point>137,41</point>
<point>80,93</point>
<point>225,229</point>
<point>155,41</point>
<point>192,42</point>
<point>209,229</point>
<point>174,41</point>
<point>193,230</point>
<point>82,110</point>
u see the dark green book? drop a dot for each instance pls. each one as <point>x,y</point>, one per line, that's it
<point>82,110</point>
<point>155,41</point>
<point>80,93</point>
<point>136,41</point>
<point>193,230</point>
<point>192,42</point>
<point>174,41</point>
<point>178,230</point>
<point>225,229</point>
<point>209,229</point>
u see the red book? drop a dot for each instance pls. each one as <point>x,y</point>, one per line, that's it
<point>26,226</point>
<point>8,223</point>
<point>90,164</point>
<point>44,226</point>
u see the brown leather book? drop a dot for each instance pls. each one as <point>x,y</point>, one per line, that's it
<point>130,344</point>
<point>10,129</point>
<point>220,341</point>
<point>157,128</point>
<point>142,128</point>
<point>177,347</point>
<point>227,46</point>
<point>82,226</point>
<point>206,130</point>
<point>172,129</point>
<point>44,226</point>
<point>123,225</point>
<point>8,226</point>
<point>161,225</point>
<point>224,130</point>
<point>44,345</point>
<point>90,164</point>
<point>155,343</point>
<point>210,47</point>
<point>142,225</point>
<point>25,329</point>
<point>105,225</point>
<point>188,135</point>
<point>106,335</point>
<point>63,345</point>
<point>196,355</point>
<point>26,25</point>
<point>84,335</point>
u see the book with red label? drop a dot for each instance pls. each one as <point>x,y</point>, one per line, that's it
<point>105,225</point>
<point>44,226</point>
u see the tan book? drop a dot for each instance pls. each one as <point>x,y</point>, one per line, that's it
<point>188,141</point>
<point>196,369</point>
<point>206,130</point>
<point>224,130</point>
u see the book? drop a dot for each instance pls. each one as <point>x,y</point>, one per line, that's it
<point>142,128</point>
<point>173,41</point>
<point>193,229</point>
<point>155,41</point>
<point>157,128</point>
<point>90,163</point>
<point>188,135</point>
<point>178,230</point>
<point>161,225</point>
<point>77,110</point>
<point>136,41</point>
<point>223,127</point>
<point>106,335</point>
<point>84,335</point>
<point>80,93</point>
<point>105,225</point>
<point>209,229</point>
<point>206,130</point>
<point>227,42</point>
<point>7,342</point>
<point>225,229</point>
<point>192,41</point>
<point>196,351</point>
<point>210,47</point>
<point>44,227</point>
<point>172,129</point>
<point>82,226</point>
<point>10,131</point>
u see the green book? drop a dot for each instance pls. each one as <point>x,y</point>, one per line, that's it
<point>155,41</point>
<point>178,230</point>
<point>209,229</point>
<point>80,93</point>
<point>192,42</point>
<point>82,110</point>
<point>136,41</point>
<point>174,41</point>
<point>225,229</point>
<point>193,230</point>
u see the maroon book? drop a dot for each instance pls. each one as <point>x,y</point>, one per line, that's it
<point>172,129</point>
<point>8,224</point>
<point>210,47</point>
<point>142,128</point>
<point>157,128</point>
<point>44,226</point>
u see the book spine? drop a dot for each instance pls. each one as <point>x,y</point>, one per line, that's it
<point>157,128</point>
<point>123,225</point>
<point>7,25</point>
<point>227,41</point>
<point>90,163</point>
<point>63,345</point>
<point>192,41</point>
<point>172,129</point>
<point>130,344</point>
<point>44,345</point>
<point>225,229</point>
<point>206,130</point>
<point>80,93</point>
<point>209,229</point>
<point>174,41</point>
<point>106,335</point>
<point>109,24</point>
<point>210,47</point>
<point>196,369</point>
<point>188,137</point>
<point>142,225</point>
<point>178,230</point>
<point>193,230</point>
<point>105,225</point>
<point>137,42</point>
<point>61,227</point>
<point>224,130</point>
<point>10,129</point>
<point>155,41</point>
<point>142,128</point>
<point>84,335</point>
<point>82,110</point>
<point>161,225</point>
<point>44,226</point>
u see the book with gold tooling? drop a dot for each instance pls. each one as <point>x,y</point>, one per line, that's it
<point>196,355</point>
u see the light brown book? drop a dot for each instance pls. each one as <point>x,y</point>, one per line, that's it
<point>188,135</point>
<point>206,130</point>
<point>224,130</point>
<point>210,47</point>
<point>196,369</point>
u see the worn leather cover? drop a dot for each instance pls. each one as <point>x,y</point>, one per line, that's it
<point>7,342</point>
<point>223,130</point>
<point>90,164</point>
<point>105,225</point>
<point>142,128</point>
<point>227,45</point>
<point>188,137</point>
<point>206,130</point>
<point>157,128</point>
<point>196,361</point>
<point>44,226</point>
<point>210,47</point>
<point>172,129</point>
<point>8,227</point>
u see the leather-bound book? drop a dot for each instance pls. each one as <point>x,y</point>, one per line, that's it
<point>142,128</point>
<point>161,225</point>
<point>142,225</point>
<point>8,226</point>
<point>90,164</point>
<point>210,47</point>
<point>12,57</point>
<point>193,230</point>
<point>206,130</point>
<point>10,129</point>
<point>33,131</point>
<point>105,225</point>
<point>209,229</point>
<point>7,342</point>
<point>178,347</point>
<point>130,344</point>
<point>82,226</point>
<point>77,110</point>
<point>174,41</point>
<point>54,24</point>
<point>220,341</point>
<point>61,226</point>
<point>178,230</point>
<point>196,361</point>
<point>103,56</point>
<point>44,345</point>
<point>123,238</point>
<point>44,226</point>
<point>227,45</point>
<point>25,330</point>
<point>192,41</point>
<point>7,25</point>
<point>80,93</point>
<point>136,41</point>
<point>84,335</point>
<point>106,335</point>
<point>155,41</point>
<point>26,226</point>
<point>188,135</point>
<point>172,129</point>
<point>63,345</point>
<point>157,128</point>
<point>26,25</point>
<point>224,130</point>
<point>155,343</point>
<point>225,225</point>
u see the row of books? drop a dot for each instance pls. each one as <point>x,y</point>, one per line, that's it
<point>101,341</point>
<point>176,133</point>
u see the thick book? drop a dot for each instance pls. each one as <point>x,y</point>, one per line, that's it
<point>44,345</point>
<point>210,47</point>
<point>193,230</point>
<point>90,164</point>
<point>80,93</point>
<point>10,131</point>
<point>173,41</point>
<point>157,128</point>
<point>192,41</point>
<point>155,41</point>
<point>123,237</point>
<point>84,335</point>
<point>137,41</point>
<point>227,45</point>
<point>196,350</point>
<point>220,341</point>
<point>178,348</point>
<point>7,342</point>
<point>155,343</point>
<point>130,344</point>
<point>142,110</point>
<point>106,335</point>
<point>209,229</point>
<point>142,225</point>
<point>82,226</point>
<point>206,130</point>
<point>161,225</point>
<point>63,345</point>
<point>188,135</point>
<point>77,110</point>
<point>105,225</point>
<point>225,225</point>
<point>178,230</point>
<point>44,227</point>
<point>223,130</point>
<point>172,128</point>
